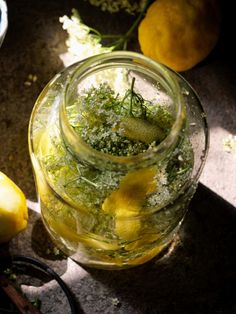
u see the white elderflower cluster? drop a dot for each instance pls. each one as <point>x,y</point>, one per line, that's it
<point>81,42</point>
<point>112,6</point>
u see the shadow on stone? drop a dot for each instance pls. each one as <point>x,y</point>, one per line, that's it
<point>198,276</point>
<point>42,244</point>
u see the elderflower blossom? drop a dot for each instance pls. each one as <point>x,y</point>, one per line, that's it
<point>112,6</point>
<point>230,143</point>
<point>81,43</point>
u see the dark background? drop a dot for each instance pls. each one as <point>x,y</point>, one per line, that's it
<point>199,276</point>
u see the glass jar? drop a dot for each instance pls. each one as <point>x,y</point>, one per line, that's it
<point>117,144</point>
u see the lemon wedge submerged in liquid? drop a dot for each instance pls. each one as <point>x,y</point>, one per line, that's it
<point>126,202</point>
<point>13,209</point>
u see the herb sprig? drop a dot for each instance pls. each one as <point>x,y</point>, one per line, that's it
<point>137,107</point>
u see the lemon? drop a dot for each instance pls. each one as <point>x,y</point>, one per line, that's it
<point>132,192</point>
<point>180,33</point>
<point>87,239</point>
<point>13,209</point>
<point>127,201</point>
<point>147,256</point>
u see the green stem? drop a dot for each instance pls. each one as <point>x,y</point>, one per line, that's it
<point>124,39</point>
<point>131,96</point>
<point>110,36</point>
<point>96,32</point>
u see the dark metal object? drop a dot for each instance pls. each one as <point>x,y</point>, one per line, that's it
<point>21,302</point>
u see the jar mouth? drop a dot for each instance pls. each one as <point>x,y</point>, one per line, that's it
<point>161,74</point>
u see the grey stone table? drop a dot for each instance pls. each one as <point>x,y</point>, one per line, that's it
<point>199,274</point>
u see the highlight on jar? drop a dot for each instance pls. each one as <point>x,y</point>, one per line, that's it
<point>117,143</point>
<point>3,20</point>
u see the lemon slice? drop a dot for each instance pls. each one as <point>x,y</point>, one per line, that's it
<point>13,209</point>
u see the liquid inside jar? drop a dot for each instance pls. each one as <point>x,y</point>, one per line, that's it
<point>102,216</point>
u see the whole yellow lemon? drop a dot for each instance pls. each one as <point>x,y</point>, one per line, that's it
<point>180,33</point>
<point>13,209</point>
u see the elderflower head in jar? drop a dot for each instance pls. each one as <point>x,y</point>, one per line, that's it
<point>116,164</point>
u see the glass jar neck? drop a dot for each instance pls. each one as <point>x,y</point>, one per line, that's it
<point>97,67</point>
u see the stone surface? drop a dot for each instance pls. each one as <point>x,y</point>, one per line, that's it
<point>199,275</point>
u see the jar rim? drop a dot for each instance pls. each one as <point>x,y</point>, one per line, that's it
<point>72,138</point>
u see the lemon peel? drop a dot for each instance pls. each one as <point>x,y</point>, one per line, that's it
<point>126,202</point>
<point>180,33</point>
<point>13,209</point>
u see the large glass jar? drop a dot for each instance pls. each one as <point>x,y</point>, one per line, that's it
<point>117,144</point>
